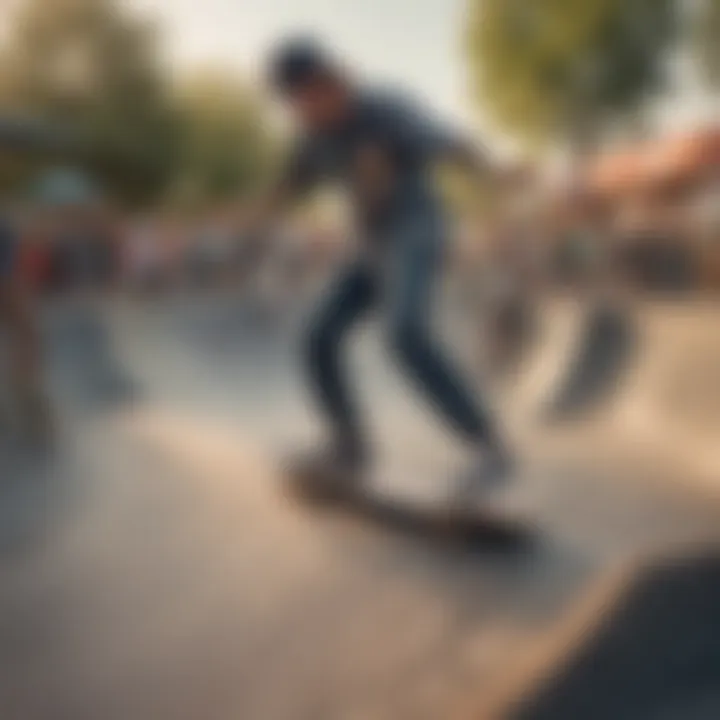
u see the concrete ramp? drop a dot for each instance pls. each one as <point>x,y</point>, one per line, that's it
<point>647,372</point>
<point>603,355</point>
<point>84,367</point>
<point>154,569</point>
<point>653,654</point>
<point>580,359</point>
<point>671,399</point>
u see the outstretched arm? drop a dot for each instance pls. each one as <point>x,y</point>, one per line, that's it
<point>297,178</point>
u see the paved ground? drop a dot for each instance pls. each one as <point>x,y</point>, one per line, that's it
<point>153,568</point>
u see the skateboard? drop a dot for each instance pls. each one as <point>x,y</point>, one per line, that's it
<point>474,529</point>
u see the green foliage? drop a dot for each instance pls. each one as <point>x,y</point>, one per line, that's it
<point>92,66</point>
<point>706,37</point>
<point>224,147</point>
<point>550,68</point>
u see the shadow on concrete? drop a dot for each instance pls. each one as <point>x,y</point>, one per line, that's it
<point>656,656</point>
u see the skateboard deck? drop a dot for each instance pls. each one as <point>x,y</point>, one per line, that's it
<point>486,530</point>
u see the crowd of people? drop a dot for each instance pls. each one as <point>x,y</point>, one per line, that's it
<point>88,248</point>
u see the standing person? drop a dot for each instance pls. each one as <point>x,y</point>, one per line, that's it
<point>17,322</point>
<point>142,257</point>
<point>380,149</point>
<point>514,278</point>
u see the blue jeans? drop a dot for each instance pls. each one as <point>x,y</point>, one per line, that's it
<point>399,279</point>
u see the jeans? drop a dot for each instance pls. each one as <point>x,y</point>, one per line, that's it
<point>399,279</point>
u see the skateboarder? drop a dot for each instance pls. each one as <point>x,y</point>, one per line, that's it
<point>17,322</point>
<point>380,149</point>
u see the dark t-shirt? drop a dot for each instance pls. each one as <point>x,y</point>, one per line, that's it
<point>383,128</point>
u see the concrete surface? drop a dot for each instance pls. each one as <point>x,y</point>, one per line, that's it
<point>153,568</point>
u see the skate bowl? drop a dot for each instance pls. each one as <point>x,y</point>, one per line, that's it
<point>580,357</point>
<point>604,352</point>
<point>647,371</point>
<point>671,398</point>
<point>644,372</point>
<point>645,646</point>
<point>179,581</point>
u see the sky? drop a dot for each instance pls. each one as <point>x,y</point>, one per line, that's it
<point>417,43</point>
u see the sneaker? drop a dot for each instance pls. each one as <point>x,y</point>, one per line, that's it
<point>327,473</point>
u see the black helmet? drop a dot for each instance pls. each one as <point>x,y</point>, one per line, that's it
<point>297,61</point>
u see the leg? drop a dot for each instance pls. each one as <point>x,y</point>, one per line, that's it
<point>416,256</point>
<point>16,316</point>
<point>352,297</point>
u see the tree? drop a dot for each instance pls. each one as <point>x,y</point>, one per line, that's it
<point>224,146</point>
<point>93,66</point>
<point>551,69</point>
<point>706,38</point>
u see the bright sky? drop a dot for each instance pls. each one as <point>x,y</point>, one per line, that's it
<point>415,42</point>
